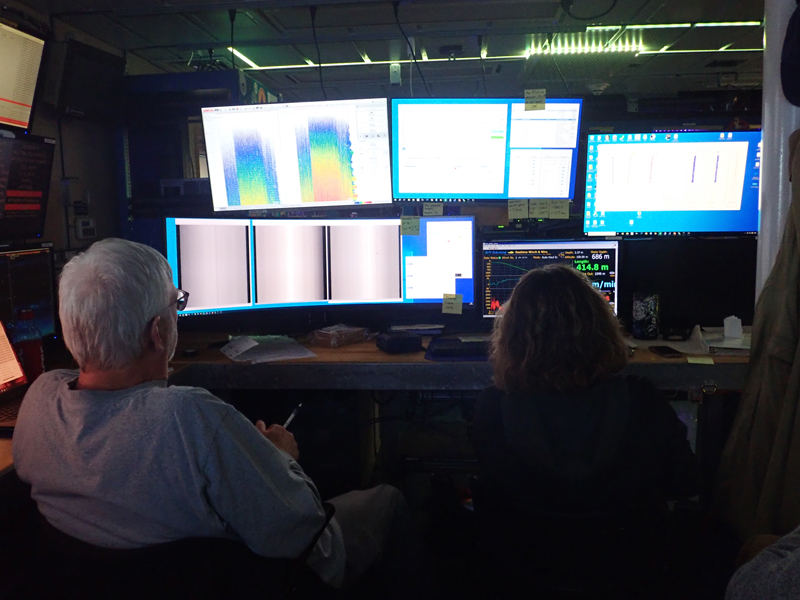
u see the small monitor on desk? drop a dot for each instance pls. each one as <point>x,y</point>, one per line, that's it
<point>504,263</point>
<point>484,149</point>
<point>309,155</point>
<point>245,264</point>
<point>672,183</point>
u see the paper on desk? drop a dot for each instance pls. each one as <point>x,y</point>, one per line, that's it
<point>715,338</point>
<point>267,349</point>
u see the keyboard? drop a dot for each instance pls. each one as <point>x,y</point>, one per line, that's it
<point>455,347</point>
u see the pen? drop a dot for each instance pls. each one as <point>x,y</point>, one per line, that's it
<point>292,416</point>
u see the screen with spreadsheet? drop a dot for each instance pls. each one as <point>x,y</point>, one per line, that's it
<point>672,183</point>
<point>299,155</point>
<point>484,149</point>
<point>22,55</point>
<point>504,263</point>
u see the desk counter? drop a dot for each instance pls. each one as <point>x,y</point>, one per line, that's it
<point>363,367</point>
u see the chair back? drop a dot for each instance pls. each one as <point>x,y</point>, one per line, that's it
<point>191,568</point>
<point>602,554</point>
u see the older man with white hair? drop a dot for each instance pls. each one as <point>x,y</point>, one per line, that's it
<point>117,458</point>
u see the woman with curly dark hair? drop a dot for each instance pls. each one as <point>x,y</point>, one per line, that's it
<point>577,461</point>
<point>562,430</point>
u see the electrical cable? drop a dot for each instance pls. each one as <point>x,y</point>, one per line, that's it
<point>64,180</point>
<point>232,17</point>
<point>396,7</point>
<point>319,59</point>
<point>483,67</point>
<point>566,5</point>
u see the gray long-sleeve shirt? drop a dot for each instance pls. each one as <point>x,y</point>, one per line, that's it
<point>774,574</point>
<point>152,464</point>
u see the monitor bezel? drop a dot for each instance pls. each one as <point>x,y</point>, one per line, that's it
<point>307,206</point>
<point>487,198</point>
<point>665,233</point>
<point>299,317</point>
<point>21,237</point>
<point>567,242</point>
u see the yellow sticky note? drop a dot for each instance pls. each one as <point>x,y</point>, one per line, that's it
<point>451,304</point>
<point>535,99</point>
<point>539,209</point>
<point>559,209</point>
<point>409,226</point>
<point>432,209</point>
<point>517,209</point>
<point>700,360</point>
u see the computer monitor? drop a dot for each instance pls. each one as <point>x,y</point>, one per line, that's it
<point>672,183</point>
<point>22,56</point>
<point>505,262</point>
<point>245,264</point>
<point>302,155</point>
<point>26,282</point>
<point>484,149</point>
<point>26,164</point>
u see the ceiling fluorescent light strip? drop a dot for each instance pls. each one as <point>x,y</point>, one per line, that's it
<point>242,57</point>
<point>711,50</point>
<point>676,25</point>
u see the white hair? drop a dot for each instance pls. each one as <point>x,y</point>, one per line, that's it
<point>107,296</point>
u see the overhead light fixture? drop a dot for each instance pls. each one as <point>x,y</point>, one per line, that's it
<point>241,56</point>
<point>731,24</point>
<point>710,50</point>
<point>676,25</point>
<point>363,54</point>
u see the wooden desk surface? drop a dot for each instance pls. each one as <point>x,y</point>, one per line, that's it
<point>6,461</point>
<point>363,366</point>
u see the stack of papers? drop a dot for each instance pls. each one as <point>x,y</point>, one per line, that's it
<point>267,348</point>
<point>715,338</point>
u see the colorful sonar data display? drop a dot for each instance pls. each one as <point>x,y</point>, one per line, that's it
<point>504,263</point>
<point>243,264</point>
<point>307,154</point>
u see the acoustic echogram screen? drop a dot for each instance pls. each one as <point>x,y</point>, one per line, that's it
<point>243,264</point>
<point>291,155</point>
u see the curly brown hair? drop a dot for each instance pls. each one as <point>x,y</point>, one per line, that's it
<point>555,334</point>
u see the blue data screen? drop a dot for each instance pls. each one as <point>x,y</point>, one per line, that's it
<point>683,182</point>
<point>484,149</point>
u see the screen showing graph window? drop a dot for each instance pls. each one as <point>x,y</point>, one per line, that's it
<point>484,149</point>
<point>672,183</point>
<point>242,264</point>
<point>306,154</point>
<point>504,263</point>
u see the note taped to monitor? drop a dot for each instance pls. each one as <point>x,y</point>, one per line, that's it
<point>517,209</point>
<point>535,99</point>
<point>432,209</point>
<point>409,226</point>
<point>452,304</point>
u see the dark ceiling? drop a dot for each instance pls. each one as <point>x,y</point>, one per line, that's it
<point>463,47</point>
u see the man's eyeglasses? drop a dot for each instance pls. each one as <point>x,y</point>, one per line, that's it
<point>183,299</point>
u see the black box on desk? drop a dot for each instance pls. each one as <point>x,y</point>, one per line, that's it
<point>399,342</point>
